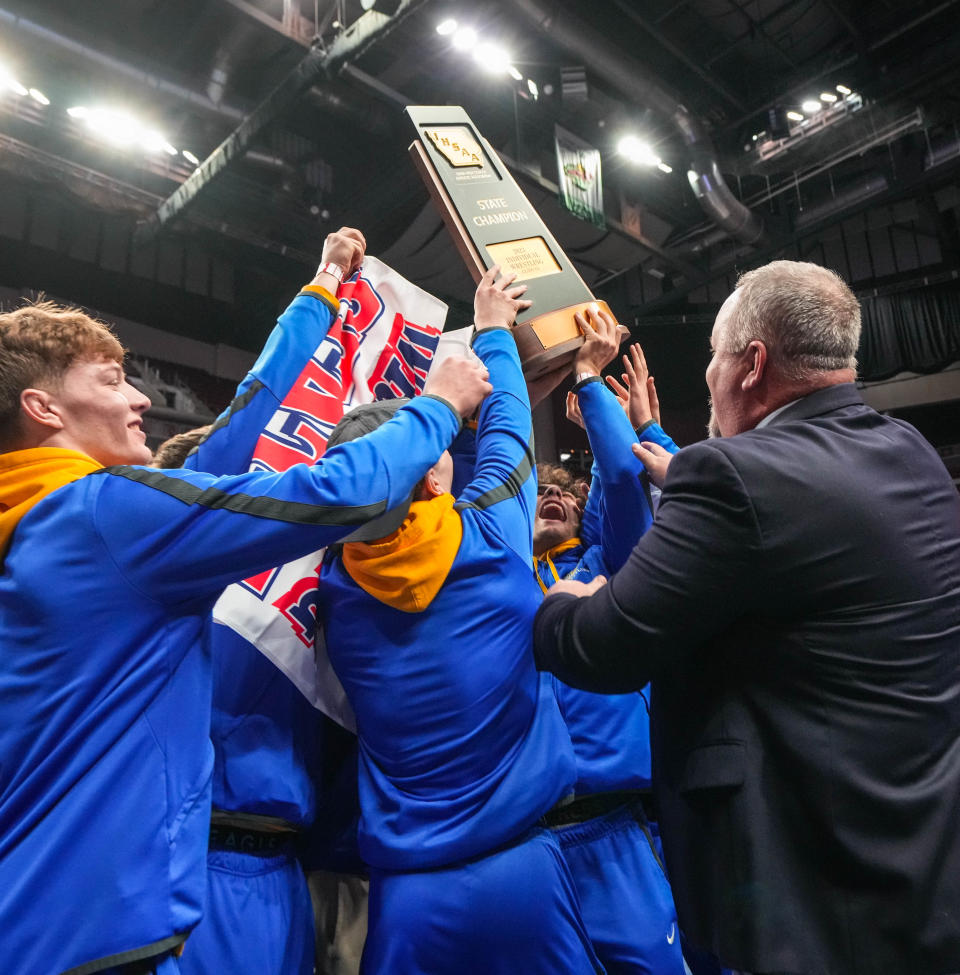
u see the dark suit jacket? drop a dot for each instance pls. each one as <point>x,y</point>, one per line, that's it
<point>797,604</point>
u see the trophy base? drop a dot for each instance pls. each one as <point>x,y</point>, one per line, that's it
<point>551,340</point>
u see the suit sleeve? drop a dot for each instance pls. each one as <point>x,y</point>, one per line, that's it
<point>182,535</point>
<point>228,448</point>
<point>503,491</point>
<point>625,512</point>
<point>696,570</point>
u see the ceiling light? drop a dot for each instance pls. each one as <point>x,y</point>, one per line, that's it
<point>828,96</point>
<point>152,141</point>
<point>39,96</point>
<point>844,90</point>
<point>8,81</point>
<point>794,116</point>
<point>532,88</point>
<point>113,127</point>
<point>464,39</point>
<point>122,130</point>
<point>664,168</point>
<point>190,157</point>
<point>491,57</point>
<point>638,151</point>
<point>514,73</point>
<point>447,26</point>
<point>811,105</point>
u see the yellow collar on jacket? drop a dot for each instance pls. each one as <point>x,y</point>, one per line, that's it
<point>28,476</point>
<point>406,569</point>
<point>548,556</point>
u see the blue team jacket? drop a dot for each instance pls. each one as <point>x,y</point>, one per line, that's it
<point>610,732</point>
<point>462,746</point>
<point>266,736</point>
<point>105,760</point>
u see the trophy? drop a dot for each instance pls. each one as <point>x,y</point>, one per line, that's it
<point>492,222</point>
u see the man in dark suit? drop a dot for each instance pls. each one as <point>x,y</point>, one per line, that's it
<point>797,605</point>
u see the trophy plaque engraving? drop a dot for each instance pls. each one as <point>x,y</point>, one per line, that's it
<point>492,222</point>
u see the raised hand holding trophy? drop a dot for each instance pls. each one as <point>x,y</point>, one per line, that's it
<point>492,222</point>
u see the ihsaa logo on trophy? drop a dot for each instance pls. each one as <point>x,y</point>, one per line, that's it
<point>457,145</point>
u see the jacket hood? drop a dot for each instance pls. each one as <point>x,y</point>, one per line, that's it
<point>406,569</point>
<point>28,476</point>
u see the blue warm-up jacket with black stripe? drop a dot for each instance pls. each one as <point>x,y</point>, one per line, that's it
<point>610,732</point>
<point>266,735</point>
<point>104,762</point>
<point>462,746</point>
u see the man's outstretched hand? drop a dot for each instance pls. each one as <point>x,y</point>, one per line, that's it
<point>498,301</point>
<point>463,383</point>
<point>602,336</point>
<point>573,588</point>
<point>654,458</point>
<point>344,247</point>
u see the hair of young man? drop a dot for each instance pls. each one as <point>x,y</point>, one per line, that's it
<point>806,316</point>
<point>559,476</point>
<point>38,344</point>
<point>173,452</point>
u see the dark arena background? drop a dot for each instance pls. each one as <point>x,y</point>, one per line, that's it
<point>174,166</point>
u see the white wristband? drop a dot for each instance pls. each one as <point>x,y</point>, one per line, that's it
<point>335,269</point>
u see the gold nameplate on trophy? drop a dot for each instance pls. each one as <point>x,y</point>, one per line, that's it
<point>528,258</point>
<point>492,222</point>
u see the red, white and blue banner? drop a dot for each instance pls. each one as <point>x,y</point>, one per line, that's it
<point>381,346</point>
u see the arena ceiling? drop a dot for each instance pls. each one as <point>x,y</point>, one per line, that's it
<point>257,162</point>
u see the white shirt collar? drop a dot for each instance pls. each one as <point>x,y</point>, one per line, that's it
<point>776,412</point>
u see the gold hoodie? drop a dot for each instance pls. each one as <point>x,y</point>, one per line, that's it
<point>28,476</point>
<point>406,569</point>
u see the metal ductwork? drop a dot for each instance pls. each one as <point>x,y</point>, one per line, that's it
<point>631,79</point>
<point>340,103</point>
<point>126,70</point>
<point>941,154</point>
<point>318,64</point>
<point>850,197</point>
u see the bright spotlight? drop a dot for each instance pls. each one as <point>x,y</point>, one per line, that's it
<point>190,157</point>
<point>491,57</point>
<point>8,81</point>
<point>39,97</point>
<point>464,39</point>
<point>664,168</point>
<point>515,73</point>
<point>114,127</point>
<point>828,96</point>
<point>844,90</point>
<point>638,151</point>
<point>446,27</point>
<point>153,141</point>
<point>121,130</point>
<point>811,105</point>
<point>795,116</point>
<point>532,88</point>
